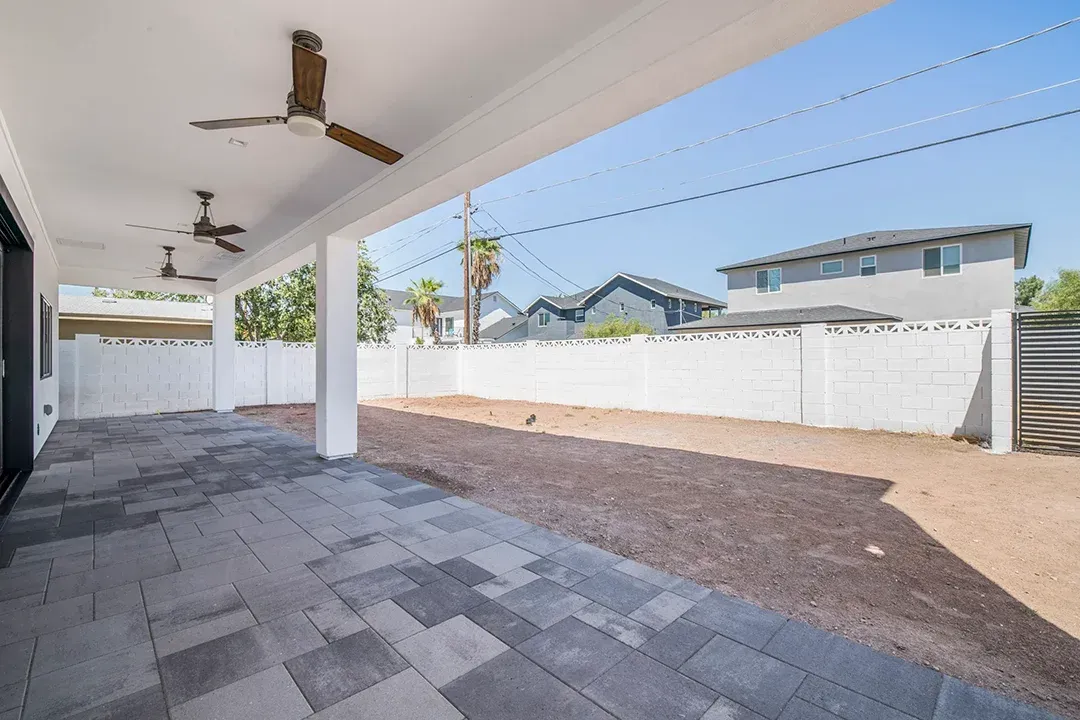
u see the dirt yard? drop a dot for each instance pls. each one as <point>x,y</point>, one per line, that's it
<point>980,574</point>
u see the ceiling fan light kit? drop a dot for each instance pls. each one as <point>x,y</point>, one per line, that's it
<point>305,126</point>
<point>305,107</point>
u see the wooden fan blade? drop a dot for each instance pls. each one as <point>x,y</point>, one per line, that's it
<point>366,145</point>
<point>227,230</point>
<point>147,227</point>
<point>226,245</point>
<point>195,277</point>
<point>309,76</point>
<point>239,122</point>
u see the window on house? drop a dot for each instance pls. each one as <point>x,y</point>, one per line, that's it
<point>448,326</point>
<point>868,265</point>
<point>46,338</point>
<point>769,281</point>
<point>941,261</point>
<point>832,267</point>
<point>579,315</point>
<point>544,318</point>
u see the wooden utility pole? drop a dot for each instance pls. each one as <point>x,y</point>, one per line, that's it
<point>466,264</point>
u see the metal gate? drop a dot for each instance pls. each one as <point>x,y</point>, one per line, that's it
<point>1048,381</point>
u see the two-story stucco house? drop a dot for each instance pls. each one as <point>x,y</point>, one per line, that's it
<point>659,304</point>
<point>929,274</point>
<point>494,306</point>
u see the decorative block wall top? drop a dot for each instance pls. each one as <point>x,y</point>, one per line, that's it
<point>151,342</point>
<point>497,346</point>
<point>726,335</point>
<point>298,345</point>
<point>585,341</point>
<point>250,343</point>
<point>909,327</point>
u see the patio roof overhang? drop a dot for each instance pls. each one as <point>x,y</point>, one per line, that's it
<point>96,101</point>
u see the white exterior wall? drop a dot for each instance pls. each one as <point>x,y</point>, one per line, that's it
<point>433,370</point>
<point>503,371</point>
<point>753,375</point>
<point>905,378</point>
<point>376,371</point>
<point>584,372</point>
<point>249,379</point>
<point>916,377</point>
<point>299,372</point>
<point>985,282</point>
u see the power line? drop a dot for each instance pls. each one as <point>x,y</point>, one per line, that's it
<point>827,146</point>
<point>805,173</point>
<point>517,261</point>
<point>416,265</point>
<point>526,249</point>
<point>790,114</point>
<point>423,256</point>
<point>412,237</point>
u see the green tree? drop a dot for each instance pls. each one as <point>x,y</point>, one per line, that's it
<point>484,268</point>
<point>424,300</point>
<point>1027,289</point>
<point>147,295</point>
<point>615,326</point>
<point>284,308</point>
<point>1062,293</point>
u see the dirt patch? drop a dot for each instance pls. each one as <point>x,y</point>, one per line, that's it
<point>782,515</point>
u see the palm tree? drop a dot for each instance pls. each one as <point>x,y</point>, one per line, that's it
<point>424,299</point>
<point>484,268</point>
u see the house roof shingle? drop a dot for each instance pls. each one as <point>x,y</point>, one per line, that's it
<point>89,305</point>
<point>787,316</point>
<point>891,238</point>
<point>449,303</point>
<point>497,329</point>
<point>567,302</point>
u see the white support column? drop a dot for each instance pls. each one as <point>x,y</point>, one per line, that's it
<point>1001,381</point>
<point>224,351</point>
<point>335,347</point>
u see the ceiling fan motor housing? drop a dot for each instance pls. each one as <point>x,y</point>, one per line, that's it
<point>304,122</point>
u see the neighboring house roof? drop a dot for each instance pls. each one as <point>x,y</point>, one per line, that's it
<point>789,316</point>
<point>449,303</point>
<point>497,329</point>
<point>669,290</point>
<point>870,241</point>
<point>568,302</point>
<point>134,309</point>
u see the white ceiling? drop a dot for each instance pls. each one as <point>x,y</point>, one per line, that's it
<point>97,97</point>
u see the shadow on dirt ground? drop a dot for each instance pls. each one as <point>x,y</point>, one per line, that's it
<point>788,538</point>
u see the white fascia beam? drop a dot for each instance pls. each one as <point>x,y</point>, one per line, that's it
<point>658,51</point>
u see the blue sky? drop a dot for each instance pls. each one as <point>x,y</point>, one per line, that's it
<point>1025,175</point>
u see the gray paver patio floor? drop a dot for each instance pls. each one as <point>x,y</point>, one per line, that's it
<point>207,566</point>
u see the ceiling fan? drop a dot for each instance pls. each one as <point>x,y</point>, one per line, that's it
<point>168,272</point>
<point>205,231</point>
<point>306,109</point>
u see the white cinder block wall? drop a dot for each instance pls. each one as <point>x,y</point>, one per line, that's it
<point>919,377</point>
<point>915,381</point>
<point>744,375</point>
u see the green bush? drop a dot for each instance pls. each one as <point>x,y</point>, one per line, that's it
<point>615,326</point>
